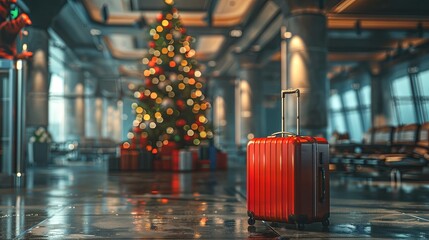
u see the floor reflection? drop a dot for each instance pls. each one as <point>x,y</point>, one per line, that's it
<point>87,202</point>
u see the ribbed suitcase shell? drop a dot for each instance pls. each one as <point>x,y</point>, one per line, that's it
<point>285,179</point>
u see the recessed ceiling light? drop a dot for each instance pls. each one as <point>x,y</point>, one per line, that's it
<point>287,35</point>
<point>212,63</point>
<point>236,33</point>
<point>256,48</point>
<point>95,32</point>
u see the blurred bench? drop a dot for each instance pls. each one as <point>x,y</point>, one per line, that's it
<point>64,150</point>
<point>92,148</point>
<point>398,150</point>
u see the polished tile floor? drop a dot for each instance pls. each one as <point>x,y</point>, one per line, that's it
<point>87,202</point>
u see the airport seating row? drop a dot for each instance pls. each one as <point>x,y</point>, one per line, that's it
<point>397,149</point>
<point>84,149</point>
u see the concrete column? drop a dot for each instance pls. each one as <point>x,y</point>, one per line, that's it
<point>90,122</point>
<point>98,113</point>
<point>75,106</point>
<point>38,78</point>
<point>223,102</point>
<point>306,65</point>
<point>111,119</point>
<point>248,99</point>
<point>381,100</point>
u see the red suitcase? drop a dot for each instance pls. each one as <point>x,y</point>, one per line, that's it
<point>288,177</point>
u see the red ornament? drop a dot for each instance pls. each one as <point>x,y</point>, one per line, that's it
<point>137,129</point>
<point>158,70</point>
<point>151,64</point>
<point>152,44</point>
<point>159,17</point>
<point>147,82</point>
<point>170,25</point>
<point>180,122</point>
<point>180,103</point>
<point>143,141</point>
<point>187,138</point>
<point>182,30</point>
<point>142,96</point>
<point>191,73</point>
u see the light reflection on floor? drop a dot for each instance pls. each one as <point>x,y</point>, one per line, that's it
<point>87,202</point>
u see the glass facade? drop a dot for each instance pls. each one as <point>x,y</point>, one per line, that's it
<point>337,117</point>
<point>403,100</point>
<point>350,103</point>
<point>57,108</point>
<point>422,87</point>
<point>350,110</point>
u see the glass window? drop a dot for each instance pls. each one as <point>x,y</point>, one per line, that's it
<point>407,112</point>
<point>403,100</point>
<point>424,83</point>
<point>423,90</point>
<point>335,102</point>
<point>338,122</point>
<point>365,100</point>
<point>56,108</point>
<point>402,87</point>
<point>57,85</point>
<point>365,95</point>
<point>353,120</point>
<point>425,106</point>
<point>350,100</point>
<point>366,118</point>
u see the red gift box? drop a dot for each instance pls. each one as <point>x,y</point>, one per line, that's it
<point>222,160</point>
<point>204,165</point>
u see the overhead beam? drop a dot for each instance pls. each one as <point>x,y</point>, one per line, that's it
<point>266,16</point>
<point>348,21</point>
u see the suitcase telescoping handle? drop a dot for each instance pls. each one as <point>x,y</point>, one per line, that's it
<point>284,93</point>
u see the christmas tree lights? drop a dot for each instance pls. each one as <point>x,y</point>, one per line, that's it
<point>170,104</point>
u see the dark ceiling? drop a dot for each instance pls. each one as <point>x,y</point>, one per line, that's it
<point>359,31</point>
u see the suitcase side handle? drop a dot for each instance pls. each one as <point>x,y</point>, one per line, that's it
<point>323,194</point>
<point>283,93</point>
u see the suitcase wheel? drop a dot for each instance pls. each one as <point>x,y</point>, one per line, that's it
<point>251,229</point>
<point>251,221</point>
<point>325,222</point>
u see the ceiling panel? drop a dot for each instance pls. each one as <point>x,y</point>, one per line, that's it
<point>208,46</point>
<point>389,7</point>
<point>183,5</point>
<point>123,47</point>
<point>192,12</point>
<point>383,25</point>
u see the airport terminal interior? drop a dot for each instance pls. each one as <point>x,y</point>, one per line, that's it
<point>170,119</point>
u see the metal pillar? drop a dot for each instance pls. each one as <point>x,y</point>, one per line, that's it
<point>18,152</point>
<point>305,43</point>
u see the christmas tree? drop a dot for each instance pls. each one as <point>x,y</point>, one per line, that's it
<point>170,105</point>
